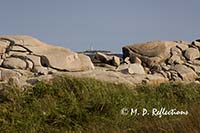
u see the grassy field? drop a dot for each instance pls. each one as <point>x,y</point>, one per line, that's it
<point>81,104</point>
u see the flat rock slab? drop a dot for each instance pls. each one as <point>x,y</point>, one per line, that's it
<point>136,69</point>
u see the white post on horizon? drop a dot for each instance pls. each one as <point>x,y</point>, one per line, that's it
<point>91,47</point>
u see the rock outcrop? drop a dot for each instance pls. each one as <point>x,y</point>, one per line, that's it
<point>25,60</point>
<point>103,58</point>
<point>29,54</point>
<point>150,52</point>
<point>174,60</point>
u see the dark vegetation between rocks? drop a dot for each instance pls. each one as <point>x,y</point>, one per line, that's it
<point>83,104</point>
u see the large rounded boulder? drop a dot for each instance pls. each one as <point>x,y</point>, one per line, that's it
<point>149,52</point>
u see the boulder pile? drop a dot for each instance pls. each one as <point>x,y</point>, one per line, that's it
<point>103,58</point>
<point>174,60</point>
<point>27,56</point>
<point>24,58</point>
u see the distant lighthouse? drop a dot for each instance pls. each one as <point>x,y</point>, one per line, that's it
<point>91,47</point>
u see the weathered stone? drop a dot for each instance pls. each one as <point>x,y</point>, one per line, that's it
<point>105,66</point>
<point>135,59</point>
<point>175,51</point>
<point>182,42</point>
<point>123,68</point>
<point>156,68</point>
<point>136,69</point>
<point>162,60</point>
<point>2,51</point>
<point>195,62</point>
<point>35,63</point>
<point>131,69</point>
<point>4,43</point>
<point>35,60</point>
<point>191,53</point>
<point>65,62</point>
<point>156,79</point>
<point>164,66</point>
<point>102,57</point>
<point>183,45</point>
<point>127,60</point>
<point>24,73</point>
<point>150,49</point>
<point>147,70</point>
<point>175,59</point>
<point>14,53</point>
<point>19,49</point>
<point>146,61</point>
<point>194,67</point>
<point>84,63</point>
<point>59,58</point>
<point>112,60</point>
<point>174,75</point>
<point>30,65</point>
<point>3,46</point>
<point>186,73</point>
<point>168,75</point>
<point>15,81</point>
<point>1,61</point>
<point>163,73</point>
<point>115,61</point>
<point>40,70</point>
<point>176,56</point>
<point>6,74</point>
<point>196,43</point>
<point>14,63</point>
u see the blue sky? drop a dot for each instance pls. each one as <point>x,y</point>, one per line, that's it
<point>104,24</point>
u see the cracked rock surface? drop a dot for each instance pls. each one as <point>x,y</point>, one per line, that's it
<point>27,56</point>
<point>26,60</point>
<point>174,60</point>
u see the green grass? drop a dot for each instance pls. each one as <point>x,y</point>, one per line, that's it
<point>82,104</point>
